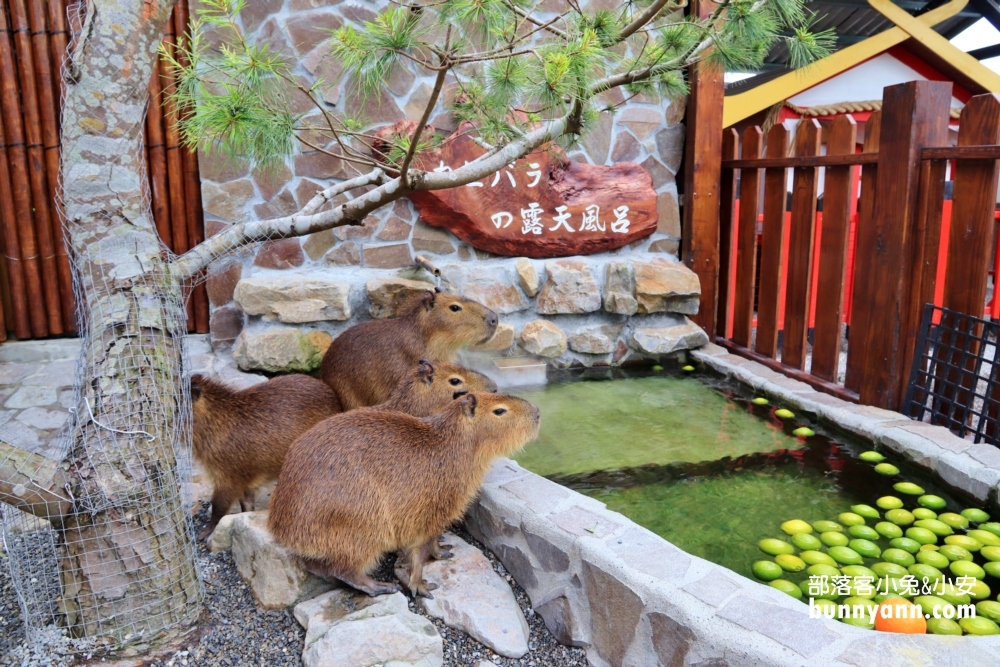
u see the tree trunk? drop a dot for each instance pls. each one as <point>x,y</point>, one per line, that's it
<point>127,562</point>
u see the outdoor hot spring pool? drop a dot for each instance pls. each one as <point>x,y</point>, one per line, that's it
<point>693,459</point>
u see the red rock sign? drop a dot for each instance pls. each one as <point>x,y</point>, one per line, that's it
<point>543,205</point>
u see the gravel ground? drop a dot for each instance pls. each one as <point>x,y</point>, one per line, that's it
<point>235,632</point>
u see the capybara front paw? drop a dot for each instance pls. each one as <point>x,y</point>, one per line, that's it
<point>443,555</point>
<point>424,590</point>
<point>383,588</point>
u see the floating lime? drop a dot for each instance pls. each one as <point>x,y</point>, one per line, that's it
<point>989,609</point>
<point>850,519</point>
<point>784,413</point>
<point>773,547</point>
<point>871,456</point>
<point>834,539</point>
<point>955,552</point>
<point>975,515</point>
<point>813,557</point>
<point>766,570</point>
<point>921,535</point>
<point>657,367</point>
<point>805,541</point>
<point>803,432</point>
<point>924,513</point>
<point>858,571</point>
<point>905,543</point>
<point>861,589</point>
<point>979,626</point>
<point>817,593</point>
<point>964,568</point>
<point>984,537</point>
<point>929,602</point>
<point>760,400</point>
<point>892,570</point>
<point>827,527</point>
<point>866,548</point>
<point>932,558</point>
<point>991,527</point>
<point>953,594</point>
<point>939,528</point>
<point>929,547</point>
<point>931,502</point>
<point>943,626</point>
<point>954,520</point>
<point>889,503</point>
<point>993,569</point>
<point>796,526</point>
<point>882,597</point>
<point>889,530</point>
<point>822,570</point>
<point>687,369</point>
<point>863,532</point>
<point>886,469</point>
<point>928,572</point>
<point>964,541</point>
<point>909,488</point>
<point>786,586</point>
<point>867,511</point>
<point>990,553</point>
<point>900,517</point>
<point>979,590</point>
<point>790,563</point>
<point>860,613</point>
<point>845,556</point>
<point>899,557</point>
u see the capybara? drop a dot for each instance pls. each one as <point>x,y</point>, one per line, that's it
<point>370,481</point>
<point>366,362</point>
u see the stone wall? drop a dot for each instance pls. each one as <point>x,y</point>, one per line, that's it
<point>601,317</point>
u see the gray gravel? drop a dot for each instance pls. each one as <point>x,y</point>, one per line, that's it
<point>235,632</point>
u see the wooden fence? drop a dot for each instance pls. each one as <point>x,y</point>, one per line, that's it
<point>896,189</point>
<point>35,278</point>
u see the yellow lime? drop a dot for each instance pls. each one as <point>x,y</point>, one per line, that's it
<point>925,572</point>
<point>900,517</point>
<point>898,556</point>
<point>929,602</point>
<point>657,367</point>
<point>884,569</point>
<point>833,539</point>
<point>988,609</point>
<point>817,591</point>
<point>924,513</point>
<point>822,570</point>
<point>990,553</point>
<point>827,526</point>
<point>687,369</point>
<point>921,535</point>
<point>850,519</point>
<point>993,569</point>
<point>964,541</point>
<point>979,590</point>
<point>796,526</point>
<point>886,469</point>
<point>845,556</point>
<point>939,528</point>
<point>760,400</point>
<point>865,547</point>
<point>786,586</point>
<point>954,520</point>
<point>931,502</point>
<point>889,503</point>
<point>766,570</point>
<point>909,488</point>
<point>975,515</point>
<point>929,547</point>
<point>943,626</point>
<point>952,594</point>
<point>867,511</point>
<point>871,456</point>
<point>773,547</point>
<point>888,530</point>
<point>805,541</point>
<point>790,563</point>
<point>804,432</point>
<point>784,413</point>
<point>979,626</point>
<point>904,543</point>
<point>965,568</point>
<point>984,537</point>
<point>823,605</point>
<point>858,571</point>
<point>991,527</point>
<point>932,558</point>
<point>863,532</point>
<point>955,552</point>
<point>812,557</point>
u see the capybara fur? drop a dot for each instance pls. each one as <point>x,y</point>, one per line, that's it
<point>370,481</point>
<point>366,362</point>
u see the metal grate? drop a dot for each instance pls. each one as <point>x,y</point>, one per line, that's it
<point>953,381</point>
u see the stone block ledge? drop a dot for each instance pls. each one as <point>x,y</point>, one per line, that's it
<point>972,468</point>
<point>629,597</point>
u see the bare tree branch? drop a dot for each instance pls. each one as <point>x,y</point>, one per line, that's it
<point>32,483</point>
<point>645,17</point>
<point>316,203</point>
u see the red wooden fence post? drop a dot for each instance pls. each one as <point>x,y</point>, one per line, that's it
<point>727,246</point>
<point>772,256</point>
<point>746,244</point>
<point>914,116</point>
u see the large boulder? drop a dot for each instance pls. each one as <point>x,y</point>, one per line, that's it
<point>281,350</point>
<point>294,298</point>
<point>668,337</point>
<point>473,598</point>
<point>598,339</point>
<point>666,286</point>
<point>543,338</point>
<point>570,288</point>
<point>345,628</point>
<point>619,289</point>
<point>273,573</point>
<point>493,286</point>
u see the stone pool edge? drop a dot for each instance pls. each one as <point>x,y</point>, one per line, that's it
<point>628,596</point>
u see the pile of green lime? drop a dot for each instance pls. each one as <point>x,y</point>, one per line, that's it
<point>908,545</point>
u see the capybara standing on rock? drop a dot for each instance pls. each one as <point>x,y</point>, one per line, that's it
<point>370,481</point>
<point>366,362</point>
<point>241,436</point>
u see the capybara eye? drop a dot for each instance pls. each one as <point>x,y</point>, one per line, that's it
<point>500,411</point>
<point>454,382</point>
<point>455,307</point>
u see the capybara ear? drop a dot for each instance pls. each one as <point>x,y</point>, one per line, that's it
<point>196,381</point>
<point>428,300</point>
<point>426,372</point>
<point>469,403</point>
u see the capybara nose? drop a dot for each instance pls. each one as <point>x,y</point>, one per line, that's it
<point>491,319</point>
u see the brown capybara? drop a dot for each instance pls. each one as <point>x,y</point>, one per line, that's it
<point>366,362</point>
<point>370,481</point>
<point>241,437</point>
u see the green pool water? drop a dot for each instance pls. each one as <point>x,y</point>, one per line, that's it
<point>692,459</point>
